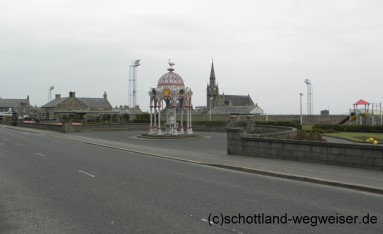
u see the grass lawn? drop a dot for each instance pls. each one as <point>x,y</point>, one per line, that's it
<point>307,127</point>
<point>356,136</point>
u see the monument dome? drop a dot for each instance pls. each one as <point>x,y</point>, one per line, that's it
<point>171,79</point>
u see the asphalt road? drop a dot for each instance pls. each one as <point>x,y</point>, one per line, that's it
<point>212,142</point>
<point>48,185</point>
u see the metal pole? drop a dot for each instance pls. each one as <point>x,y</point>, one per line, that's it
<point>187,120</point>
<point>309,97</point>
<point>151,120</point>
<point>132,90</point>
<point>300,97</point>
<point>175,121</point>
<point>182,125</point>
<point>155,120</point>
<point>159,119</point>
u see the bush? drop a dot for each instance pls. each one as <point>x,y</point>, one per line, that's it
<point>142,118</point>
<point>328,128</point>
<point>294,124</point>
<point>308,135</point>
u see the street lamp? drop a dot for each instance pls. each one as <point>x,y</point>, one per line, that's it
<point>211,99</point>
<point>300,96</point>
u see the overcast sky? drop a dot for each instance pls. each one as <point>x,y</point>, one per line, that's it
<point>262,48</point>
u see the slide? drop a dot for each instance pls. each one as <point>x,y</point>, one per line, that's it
<point>353,117</point>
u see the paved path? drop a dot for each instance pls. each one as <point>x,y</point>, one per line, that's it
<point>341,141</point>
<point>211,150</point>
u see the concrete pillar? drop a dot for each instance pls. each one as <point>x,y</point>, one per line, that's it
<point>249,124</point>
<point>233,140</point>
<point>181,124</point>
<point>187,120</point>
<point>175,121</point>
<point>155,120</point>
<point>151,119</point>
<point>190,120</point>
<point>159,120</point>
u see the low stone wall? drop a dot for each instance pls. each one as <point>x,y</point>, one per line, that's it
<point>111,127</point>
<point>68,127</point>
<point>51,127</point>
<point>279,132</point>
<point>359,156</point>
<point>307,119</point>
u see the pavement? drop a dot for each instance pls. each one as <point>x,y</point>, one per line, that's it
<point>211,151</point>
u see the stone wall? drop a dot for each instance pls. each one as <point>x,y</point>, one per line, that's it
<point>279,132</point>
<point>68,127</point>
<point>307,119</point>
<point>51,127</point>
<point>350,155</point>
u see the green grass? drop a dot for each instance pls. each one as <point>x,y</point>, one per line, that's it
<point>356,136</point>
<point>307,127</point>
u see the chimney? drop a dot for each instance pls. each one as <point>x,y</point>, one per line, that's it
<point>72,94</point>
<point>57,96</point>
<point>105,96</point>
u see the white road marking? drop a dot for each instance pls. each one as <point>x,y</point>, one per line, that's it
<point>86,173</point>
<point>207,221</point>
<point>42,155</point>
<point>204,220</point>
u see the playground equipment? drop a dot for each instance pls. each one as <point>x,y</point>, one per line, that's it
<point>366,115</point>
<point>352,116</point>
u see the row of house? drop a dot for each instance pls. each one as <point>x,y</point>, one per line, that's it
<point>70,107</point>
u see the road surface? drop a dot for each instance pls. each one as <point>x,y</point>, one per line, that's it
<point>49,185</point>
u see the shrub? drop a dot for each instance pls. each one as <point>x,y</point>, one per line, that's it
<point>308,135</point>
<point>294,124</point>
<point>328,128</point>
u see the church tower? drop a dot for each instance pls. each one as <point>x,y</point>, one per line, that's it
<point>212,89</point>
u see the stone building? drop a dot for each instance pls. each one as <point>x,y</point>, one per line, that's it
<point>225,104</point>
<point>73,107</point>
<point>21,106</point>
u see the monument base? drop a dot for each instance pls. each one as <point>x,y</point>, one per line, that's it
<point>169,136</point>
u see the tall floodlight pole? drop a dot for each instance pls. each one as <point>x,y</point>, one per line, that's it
<point>50,93</point>
<point>309,97</point>
<point>300,97</point>
<point>132,92</point>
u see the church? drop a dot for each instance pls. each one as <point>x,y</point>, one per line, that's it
<point>228,104</point>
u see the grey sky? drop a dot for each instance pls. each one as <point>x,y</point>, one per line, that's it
<point>262,48</point>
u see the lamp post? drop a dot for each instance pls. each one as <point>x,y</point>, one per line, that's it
<point>211,99</point>
<point>300,97</point>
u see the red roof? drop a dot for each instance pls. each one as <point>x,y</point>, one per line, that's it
<point>362,102</point>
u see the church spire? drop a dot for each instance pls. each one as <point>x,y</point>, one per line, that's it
<point>212,73</point>
<point>212,89</point>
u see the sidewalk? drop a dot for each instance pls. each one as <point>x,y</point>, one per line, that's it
<point>353,178</point>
